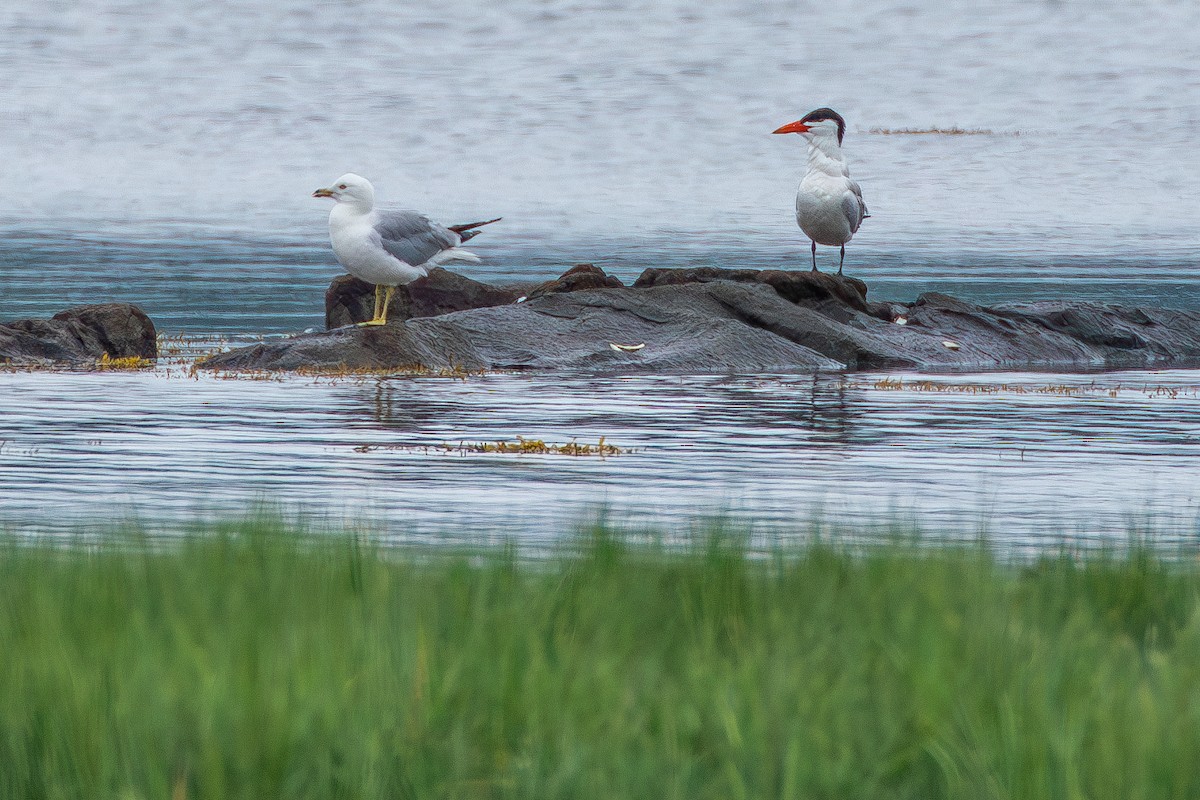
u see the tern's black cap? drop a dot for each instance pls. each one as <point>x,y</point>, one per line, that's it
<point>827,113</point>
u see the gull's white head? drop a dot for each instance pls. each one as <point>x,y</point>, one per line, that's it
<point>350,188</point>
<point>822,124</point>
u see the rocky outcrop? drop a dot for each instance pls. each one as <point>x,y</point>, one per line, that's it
<point>682,329</point>
<point>832,295</point>
<point>349,300</point>
<point>576,279</point>
<point>710,320</point>
<point>80,335</point>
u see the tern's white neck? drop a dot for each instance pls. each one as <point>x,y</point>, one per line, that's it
<point>824,154</point>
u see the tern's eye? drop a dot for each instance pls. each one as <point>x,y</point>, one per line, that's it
<point>341,186</point>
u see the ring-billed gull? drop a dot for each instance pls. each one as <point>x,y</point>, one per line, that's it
<point>829,206</point>
<point>388,248</point>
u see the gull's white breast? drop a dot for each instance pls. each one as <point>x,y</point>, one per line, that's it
<point>358,249</point>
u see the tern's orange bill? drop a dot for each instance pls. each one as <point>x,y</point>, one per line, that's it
<point>793,127</point>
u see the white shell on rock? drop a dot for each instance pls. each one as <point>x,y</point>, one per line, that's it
<point>951,345</point>
<point>627,348</point>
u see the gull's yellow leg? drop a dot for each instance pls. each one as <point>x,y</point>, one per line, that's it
<point>379,308</point>
<point>387,301</point>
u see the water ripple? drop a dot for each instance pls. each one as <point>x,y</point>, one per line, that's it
<point>1030,458</point>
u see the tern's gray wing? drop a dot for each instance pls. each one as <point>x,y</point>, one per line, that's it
<point>854,187</point>
<point>853,206</point>
<point>412,237</point>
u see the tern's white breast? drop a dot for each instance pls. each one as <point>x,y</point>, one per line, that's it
<point>819,209</point>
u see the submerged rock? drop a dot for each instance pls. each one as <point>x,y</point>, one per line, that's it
<point>80,335</point>
<point>710,320</point>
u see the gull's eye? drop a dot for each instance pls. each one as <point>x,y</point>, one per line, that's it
<point>341,186</point>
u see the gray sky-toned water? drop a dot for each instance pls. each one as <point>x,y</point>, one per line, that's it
<point>628,121</point>
<point>158,153</point>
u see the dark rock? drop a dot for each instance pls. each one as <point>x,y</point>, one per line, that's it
<point>349,300</point>
<point>831,295</point>
<point>80,335</point>
<point>1059,335</point>
<point>1108,326</point>
<point>654,276</point>
<point>577,279</point>
<point>888,310</point>
<point>391,346</point>
<point>819,290</point>
<point>684,329</point>
<point>710,320</point>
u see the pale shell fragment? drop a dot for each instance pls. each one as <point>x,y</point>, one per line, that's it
<point>901,320</point>
<point>522,299</point>
<point>627,348</point>
<point>951,345</point>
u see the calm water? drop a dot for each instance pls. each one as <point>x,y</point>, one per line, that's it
<point>166,156</point>
<point>1022,459</point>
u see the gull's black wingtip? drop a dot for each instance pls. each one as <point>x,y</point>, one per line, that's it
<point>466,226</point>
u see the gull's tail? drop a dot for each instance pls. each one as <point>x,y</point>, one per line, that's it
<point>465,231</point>
<point>454,254</point>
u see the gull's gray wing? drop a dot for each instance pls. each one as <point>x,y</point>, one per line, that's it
<point>412,237</point>
<point>853,207</point>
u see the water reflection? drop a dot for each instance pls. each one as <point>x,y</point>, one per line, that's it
<point>397,410</point>
<point>823,406</point>
<point>1028,457</point>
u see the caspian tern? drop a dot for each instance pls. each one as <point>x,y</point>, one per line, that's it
<point>829,206</point>
<point>388,248</point>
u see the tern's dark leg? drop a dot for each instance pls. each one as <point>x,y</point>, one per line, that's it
<point>843,261</point>
<point>814,249</point>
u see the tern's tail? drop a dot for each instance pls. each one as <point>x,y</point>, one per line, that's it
<point>465,231</point>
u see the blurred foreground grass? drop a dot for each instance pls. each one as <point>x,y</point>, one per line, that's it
<point>257,661</point>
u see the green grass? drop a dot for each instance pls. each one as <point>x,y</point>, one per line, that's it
<point>256,661</point>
